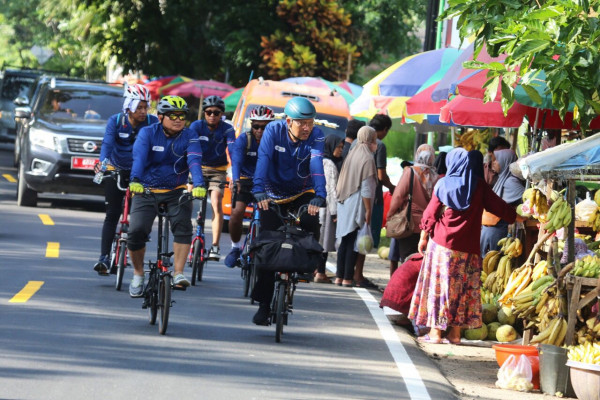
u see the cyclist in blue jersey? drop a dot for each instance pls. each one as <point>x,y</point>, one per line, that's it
<point>216,136</point>
<point>289,171</point>
<point>244,154</point>
<point>117,144</point>
<point>163,156</point>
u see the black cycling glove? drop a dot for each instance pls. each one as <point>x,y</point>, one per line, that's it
<point>260,197</point>
<point>318,201</point>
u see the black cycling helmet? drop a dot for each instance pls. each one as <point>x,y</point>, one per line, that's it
<point>171,104</point>
<point>213,101</point>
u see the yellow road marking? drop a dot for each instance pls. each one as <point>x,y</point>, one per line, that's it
<point>52,249</point>
<point>25,294</point>
<point>46,220</point>
<point>9,178</point>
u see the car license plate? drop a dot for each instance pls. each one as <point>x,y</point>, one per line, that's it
<point>83,162</point>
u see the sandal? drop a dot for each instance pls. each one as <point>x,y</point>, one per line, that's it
<point>427,339</point>
<point>365,283</point>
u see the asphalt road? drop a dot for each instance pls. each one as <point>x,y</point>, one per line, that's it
<point>76,337</point>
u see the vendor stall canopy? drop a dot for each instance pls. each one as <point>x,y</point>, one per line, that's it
<point>565,159</point>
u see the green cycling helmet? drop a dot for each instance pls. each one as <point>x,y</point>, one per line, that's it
<point>300,108</point>
<point>172,104</point>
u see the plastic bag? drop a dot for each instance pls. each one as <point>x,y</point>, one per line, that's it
<point>585,208</point>
<point>516,375</point>
<point>364,240</point>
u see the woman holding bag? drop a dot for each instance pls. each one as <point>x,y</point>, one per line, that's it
<point>356,190</point>
<point>424,177</point>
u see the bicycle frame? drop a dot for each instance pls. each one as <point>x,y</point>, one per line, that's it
<point>248,272</point>
<point>197,261</point>
<point>119,252</point>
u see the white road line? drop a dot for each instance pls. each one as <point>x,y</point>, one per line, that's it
<point>414,384</point>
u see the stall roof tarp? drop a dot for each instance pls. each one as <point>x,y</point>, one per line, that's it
<point>566,157</point>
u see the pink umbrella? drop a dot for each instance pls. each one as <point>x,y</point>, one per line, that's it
<point>156,84</point>
<point>199,89</point>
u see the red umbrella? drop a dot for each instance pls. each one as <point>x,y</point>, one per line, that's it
<point>421,103</point>
<point>199,89</point>
<point>466,111</point>
<point>156,84</point>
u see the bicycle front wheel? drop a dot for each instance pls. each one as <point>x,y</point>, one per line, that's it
<point>121,263</point>
<point>196,258</point>
<point>280,311</point>
<point>246,278</point>
<point>152,302</point>
<point>164,302</point>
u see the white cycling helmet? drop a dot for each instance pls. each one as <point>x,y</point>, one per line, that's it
<point>137,92</point>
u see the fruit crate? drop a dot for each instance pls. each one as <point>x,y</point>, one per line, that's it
<point>576,287</point>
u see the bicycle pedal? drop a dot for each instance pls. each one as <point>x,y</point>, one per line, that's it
<point>179,287</point>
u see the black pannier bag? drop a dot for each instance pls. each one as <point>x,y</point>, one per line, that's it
<point>288,249</point>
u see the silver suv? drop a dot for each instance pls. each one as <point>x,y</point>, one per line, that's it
<point>59,136</point>
<point>13,83</point>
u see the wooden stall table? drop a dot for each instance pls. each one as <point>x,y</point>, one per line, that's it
<point>576,286</point>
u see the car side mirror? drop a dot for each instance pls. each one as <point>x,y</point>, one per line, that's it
<point>23,112</point>
<point>21,101</point>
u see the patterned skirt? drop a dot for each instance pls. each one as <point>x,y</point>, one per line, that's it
<point>447,291</point>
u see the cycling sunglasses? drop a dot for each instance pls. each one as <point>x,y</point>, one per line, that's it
<point>257,127</point>
<point>213,112</point>
<point>174,117</point>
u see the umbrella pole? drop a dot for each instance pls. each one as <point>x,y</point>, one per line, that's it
<point>452,133</point>
<point>201,100</point>
<point>535,124</point>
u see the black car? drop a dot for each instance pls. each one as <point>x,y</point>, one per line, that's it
<point>13,83</point>
<point>60,132</point>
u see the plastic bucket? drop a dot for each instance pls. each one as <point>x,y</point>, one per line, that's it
<point>554,373</point>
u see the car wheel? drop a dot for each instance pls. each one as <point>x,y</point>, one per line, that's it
<point>26,197</point>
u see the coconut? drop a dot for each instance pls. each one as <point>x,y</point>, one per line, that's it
<point>492,328</point>
<point>506,333</point>
<point>364,244</point>
<point>489,313</point>
<point>506,317</point>
<point>477,334</point>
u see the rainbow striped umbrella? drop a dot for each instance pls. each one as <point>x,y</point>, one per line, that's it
<point>390,89</point>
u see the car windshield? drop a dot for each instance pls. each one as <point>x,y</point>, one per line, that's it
<point>329,124</point>
<point>81,105</point>
<point>16,86</point>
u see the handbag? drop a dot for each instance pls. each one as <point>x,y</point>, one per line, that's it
<point>401,225</point>
<point>288,249</point>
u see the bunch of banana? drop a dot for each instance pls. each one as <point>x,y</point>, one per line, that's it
<point>525,303</point>
<point>510,246</point>
<point>593,324</point>
<point>559,215</point>
<point>594,219</point>
<point>554,333</point>
<point>588,353</point>
<point>548,306</point>
<point>473,139</point>
<point>518,281</point>
<point>540,269</point>
<point>538,204</point>
<point>497,280</point>
<point>584,335</point>
<point>588,266</point>
<point>489,263</point>
<point>487,297</point>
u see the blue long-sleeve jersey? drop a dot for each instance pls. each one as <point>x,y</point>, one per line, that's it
<point>117,144</point>
<point>286,169</point>
<point>214,143</point>
<point>161,162</point>
<point>243,157</point>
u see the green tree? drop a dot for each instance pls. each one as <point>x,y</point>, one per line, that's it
<point>559,37</point>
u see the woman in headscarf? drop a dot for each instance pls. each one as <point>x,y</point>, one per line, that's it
<point>425,177</point>
<point>510,189</point>
<point>356,190</point>
<point>447,294</point>
<point>332,163</point>
<point>440,163</point>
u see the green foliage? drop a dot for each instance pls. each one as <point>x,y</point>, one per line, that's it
<point>317,45</point>
<point>401,144</point>
<point>558,37</point>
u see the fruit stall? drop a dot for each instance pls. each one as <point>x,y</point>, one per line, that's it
<point>543,282</point>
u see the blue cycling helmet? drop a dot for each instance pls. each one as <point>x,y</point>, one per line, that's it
<point>300,108</point>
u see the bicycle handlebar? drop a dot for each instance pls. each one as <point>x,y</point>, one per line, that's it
<point>291,216</point>
<point>116,174</point>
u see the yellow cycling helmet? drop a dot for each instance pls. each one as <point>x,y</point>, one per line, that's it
<point>170,104</point>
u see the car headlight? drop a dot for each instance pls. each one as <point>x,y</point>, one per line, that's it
<point>43,138</point>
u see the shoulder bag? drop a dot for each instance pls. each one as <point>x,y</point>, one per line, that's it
<point>401,225</point>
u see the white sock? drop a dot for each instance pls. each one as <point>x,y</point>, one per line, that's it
<point>137,280</point>
<point>238,244</point>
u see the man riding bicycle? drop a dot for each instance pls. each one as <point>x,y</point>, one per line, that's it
<point>117,145</point>
<point>244,154</point>
<point>289,171</point>
<point>215,137</point>
<point>163,156</point>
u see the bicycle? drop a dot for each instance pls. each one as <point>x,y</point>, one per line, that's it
<point>118,252</point>
<point>248,270</point>
<point>285,282</point>
<point>158,291</point>
<point>197,257</point>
